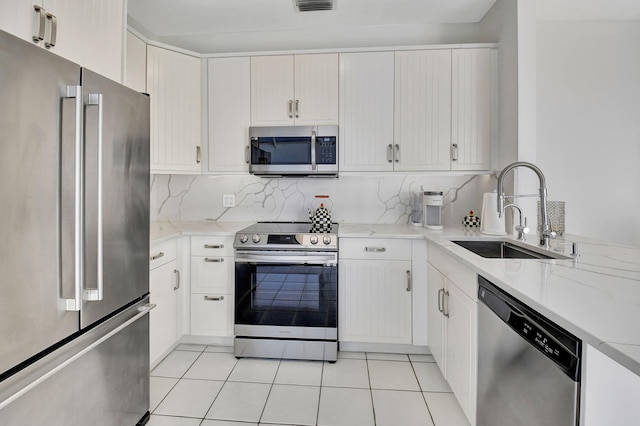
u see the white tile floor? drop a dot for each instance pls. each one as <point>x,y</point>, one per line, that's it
<point>207,386</point>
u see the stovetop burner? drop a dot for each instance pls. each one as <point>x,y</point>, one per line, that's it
<point>285,236</point>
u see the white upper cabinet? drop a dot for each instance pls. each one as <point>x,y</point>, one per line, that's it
<point>229,100</point>
<point>88,32</point>
<point>471,109</point>
<point>135,75</point>
<point>422,110</point>
<point>366,111</point>
<point>291,90</point>
<point>174,84</point>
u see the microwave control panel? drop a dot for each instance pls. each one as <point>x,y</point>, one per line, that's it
<point>326,150</point>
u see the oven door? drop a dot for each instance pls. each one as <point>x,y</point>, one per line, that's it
<point>286,294</point>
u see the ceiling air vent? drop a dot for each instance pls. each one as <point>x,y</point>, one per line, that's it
<point>313,5</point>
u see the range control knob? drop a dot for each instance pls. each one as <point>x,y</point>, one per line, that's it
<point>244,238</point>
<point>326,240</point>
<point>255,238</point>
<point>313,239</point>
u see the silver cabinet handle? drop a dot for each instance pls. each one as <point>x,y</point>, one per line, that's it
<point>454,152</point>
<point>214,246</point>
<point>445,312</point>
<point>390,153</point>
<point>198,154</point>
<point>37,38</point>
<point>396,154</point>
<point>97,294</point>
<point>246,154</point>
<point>440,294</point>
<point>156,256</point>
<point>177,274</point>
<point>54,31</point>
<point>408,280</point>
<point>290,109</point>
<point>375,249</point>
<point>71,244</point>
<point>220,260</point>
<point>214,298</point>
<point>297,108</point>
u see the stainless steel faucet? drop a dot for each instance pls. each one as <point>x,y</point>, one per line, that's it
<point>545,232</point>
<point>521,228</point>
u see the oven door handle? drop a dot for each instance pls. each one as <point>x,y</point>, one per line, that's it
<point>302,258</point>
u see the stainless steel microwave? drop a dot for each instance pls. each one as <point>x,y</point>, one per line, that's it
<point>300,150</point>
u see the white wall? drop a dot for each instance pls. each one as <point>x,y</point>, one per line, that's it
<point>588,125</point>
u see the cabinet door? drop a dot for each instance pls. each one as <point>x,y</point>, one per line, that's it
<point>229,99</point>
<point>471,109</point>
<point>366,111</point>
<point>316,90</point>
<point>436,320</point>
<point>19,18</point>
<point>163,318</point>
<point>461,348</point>
<point>88,32</point>
<point>212,314</point>
<point>422,110</point>
<point>272,93</point>
<point>374,303</point>
<point>136,63</point>
<point>174,85</point>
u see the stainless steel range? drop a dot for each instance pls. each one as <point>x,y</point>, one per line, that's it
<point>286,287</point>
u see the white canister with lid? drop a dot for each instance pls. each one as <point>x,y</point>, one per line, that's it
<point>490,223</point>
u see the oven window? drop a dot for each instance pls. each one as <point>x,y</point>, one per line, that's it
<point>286,295</point>
<point>281,150</point>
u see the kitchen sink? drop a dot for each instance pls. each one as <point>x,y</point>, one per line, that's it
<point>503,249</point>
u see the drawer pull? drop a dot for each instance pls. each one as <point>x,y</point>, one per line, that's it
<point>214,246</point>
<point>375,249</point>
<point>157,256</point>
<point>214,298</point>
<point>217,260</point>
<point>409,280</point>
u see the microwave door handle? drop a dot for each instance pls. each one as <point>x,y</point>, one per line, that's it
<point>313,150</point>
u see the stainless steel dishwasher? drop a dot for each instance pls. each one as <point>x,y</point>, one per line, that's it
<point>528,367</point>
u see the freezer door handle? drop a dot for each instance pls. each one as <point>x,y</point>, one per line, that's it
<point>71,239</point>
<point>97,294</point>
<point>137,313</point>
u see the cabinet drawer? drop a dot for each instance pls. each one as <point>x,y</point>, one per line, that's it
<point>212,314</point>
<point>375,248</point>
<point>162,253</point>
<point>212,274</point>
<point>212,246</point>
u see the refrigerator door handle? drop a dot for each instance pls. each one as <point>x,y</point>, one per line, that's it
<point>71,202</point>
<point>97,294</point>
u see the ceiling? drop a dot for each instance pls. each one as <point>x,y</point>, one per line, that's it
<point>218,26</point>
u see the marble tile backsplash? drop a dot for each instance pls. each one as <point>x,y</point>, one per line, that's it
<point>353,198</point>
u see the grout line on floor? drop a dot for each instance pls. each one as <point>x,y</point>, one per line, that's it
<point>422,394</point>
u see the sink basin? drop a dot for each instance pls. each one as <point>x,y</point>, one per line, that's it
<point>502,249</point>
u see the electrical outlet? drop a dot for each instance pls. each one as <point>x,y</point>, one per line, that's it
<point>228,200</point>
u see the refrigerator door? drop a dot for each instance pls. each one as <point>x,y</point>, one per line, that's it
<point>116,196</point>
<point>36,216</point>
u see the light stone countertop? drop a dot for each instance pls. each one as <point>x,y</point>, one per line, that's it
<point>165,230</point>
<point>596,296</point>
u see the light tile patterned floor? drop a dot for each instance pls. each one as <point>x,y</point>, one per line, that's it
<point>207,386</point>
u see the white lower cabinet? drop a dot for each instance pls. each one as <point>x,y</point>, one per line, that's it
<point>375,291</point>
<point>452,326</point>
<point>212,286</point>
<point>164,283</point>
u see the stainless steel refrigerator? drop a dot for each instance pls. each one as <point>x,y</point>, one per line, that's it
<point>74,243</point>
